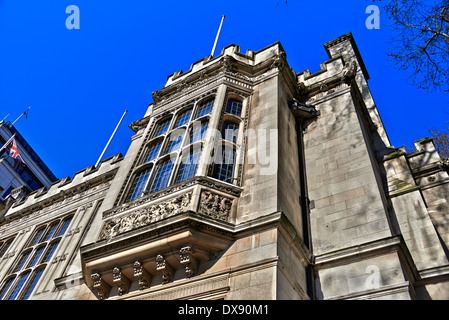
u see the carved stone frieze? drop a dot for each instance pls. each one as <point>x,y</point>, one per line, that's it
<point>215,206</point>
<point>145,216</point>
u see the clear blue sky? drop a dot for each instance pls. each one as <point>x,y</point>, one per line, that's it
<point>79,82</point>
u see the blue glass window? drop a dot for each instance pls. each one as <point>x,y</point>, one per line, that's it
<point>183,118</point>
<point>230,131</point>
<point>49,234</point>
<point>18,286</point>
<point>188,166</point>
<point>32,283</point>
<point>36,256</point>
<point>198,131</point>
<point>161,127</point>
<point>205,108</point>
<point>162,176</point>
<point>6,286</point>
<point>138,185</point>
<point>234,107</point>
<point>51,249</point>
<point>21,262</point>
<point>153,151</point>
<point>175,141</point>
<point>37,237</point>
<point>224,167</point>
<point>4,247</point>
<point>64,226</point>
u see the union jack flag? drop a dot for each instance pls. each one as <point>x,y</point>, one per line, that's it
<point>14,153</point>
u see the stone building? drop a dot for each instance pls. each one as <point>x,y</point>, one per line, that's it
<point>22,179</point>
<point>244,180</point>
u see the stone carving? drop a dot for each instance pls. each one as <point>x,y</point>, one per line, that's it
<point>188,261</point>
<point>100,286</point>
<point>164,268</point>
<point>349,72</point>
<point>139,124</point>
<point>215,206</point>
<point>121,281</point>
<point>142,275</point>
<point>145,216</point>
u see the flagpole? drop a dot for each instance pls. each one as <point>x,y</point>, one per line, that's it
<point>7,142</point>
<point>107,145</point>
<point>20,116</point>
<point>216,38</point>
<point>4,118</point>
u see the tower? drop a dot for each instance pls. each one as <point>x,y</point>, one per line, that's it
<point>244,180</point>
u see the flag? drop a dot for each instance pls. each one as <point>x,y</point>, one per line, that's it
<point>14,153</point>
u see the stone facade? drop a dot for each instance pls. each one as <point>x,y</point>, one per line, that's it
<point>302,197</point>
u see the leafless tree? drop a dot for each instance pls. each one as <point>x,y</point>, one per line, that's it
<point>441,141</point>
<point>420,41</point>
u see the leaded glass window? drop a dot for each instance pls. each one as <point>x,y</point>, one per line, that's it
<point>30,265</point>
<point>138,185</point>
<point>183,118</point>
<point>230,131</point>
<point>198,130</point>
<point>234,107</point>
<point>152,151</point>
<point>162,175</point>
<point>188,166</point>
<point>205,108</point>
<point>224,165</point>
<point>162,127</point>
<point>175,141</point>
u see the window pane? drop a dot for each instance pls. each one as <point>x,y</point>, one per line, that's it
<point>175,141</point>
<point>234,107</point>
<point>21,262</point>
<point>153,151</point>
<point>224,167</point>
<point>162,175</point>
<point>65,224</point>
<point>183,118</point>
<point>161,127</point>
<point>49,234</point>
<point>138,185</point>
<point>18,286</point>
<point>36,237</point>
<point>205,108</point>
<point>4,247</point>
<point>230,131</point>
<point>5,287</point>
<point>51,249</point>
<point>198,131</point>
<point>36,256</point>
<point>188,166</point>
<point>32,283</point>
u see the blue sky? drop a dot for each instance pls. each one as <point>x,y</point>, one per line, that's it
<point>79,82</point>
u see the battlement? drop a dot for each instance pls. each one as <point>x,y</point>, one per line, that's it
<point>66,187</point>
<point>251,58</point>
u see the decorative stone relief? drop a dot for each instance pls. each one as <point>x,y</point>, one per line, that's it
<point>142,275</point>
<point>121,281</point>
<point>164,268</point>
<point>215,206</point>
<point>100,286</point>
<point>145,216</point>
<point>188,261</point>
